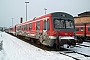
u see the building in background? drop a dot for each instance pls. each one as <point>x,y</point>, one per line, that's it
<point>83,17</point>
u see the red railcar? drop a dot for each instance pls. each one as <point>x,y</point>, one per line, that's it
<point>54,29</point>
<point>83,31</point>
<point>12,30</point>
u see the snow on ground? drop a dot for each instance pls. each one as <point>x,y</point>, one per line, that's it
<point>15,49</point>
<point>86,43</point>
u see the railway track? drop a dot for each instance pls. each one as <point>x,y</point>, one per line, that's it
<point>66,53</point>
<point>78,52</point>
<point>75,55</point>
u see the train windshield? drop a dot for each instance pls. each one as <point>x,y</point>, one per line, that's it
<point>60,23</point>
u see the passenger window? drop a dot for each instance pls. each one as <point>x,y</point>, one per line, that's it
<point>24,28</point>
<point>48,24</point>
<point>44,24</point>
<point>89,28</point>
<point>82,29</point>
<point>38,25</point>
<point>20,27</point>
<point>30,26</point>
<point>77,29</point>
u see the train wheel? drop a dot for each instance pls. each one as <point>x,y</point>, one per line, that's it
<point>57,46</point>
<point>32,41</point>
<point>57,43</point>
<point>37,41</point>
<point>81,41</point>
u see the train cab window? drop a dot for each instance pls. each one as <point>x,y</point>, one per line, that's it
<point>30,28</point>
<point>69,24</point>
<point>38,25</point>
<point>89,28</point>
<point>59,23</point>
<point>62,23</point>
<point>82,29</point>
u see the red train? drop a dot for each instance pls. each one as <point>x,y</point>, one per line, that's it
<point>54,30</point>
<point>83,31</point>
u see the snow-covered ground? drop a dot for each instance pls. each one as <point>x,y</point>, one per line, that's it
<point>16,49</point>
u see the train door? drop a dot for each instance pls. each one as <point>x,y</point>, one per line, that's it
<point>45,37</point>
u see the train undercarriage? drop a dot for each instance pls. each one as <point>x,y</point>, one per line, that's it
<point>54,43</point>
<point>86,38</point>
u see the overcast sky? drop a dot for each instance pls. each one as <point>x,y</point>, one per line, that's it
<point>17,8</point>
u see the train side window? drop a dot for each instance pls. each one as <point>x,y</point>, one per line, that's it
<point>77,29</point>
<point>44,25</point>
<point>82,29</point>
<point>48,24</point>
<point>38,25</point>
<point>16,28</point>
<point>89,28</point>
<point>20,27</point>
<point>24,28</point>
<point>30,26</point>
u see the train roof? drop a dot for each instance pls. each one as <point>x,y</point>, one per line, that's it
<point>60,14</point>
<point>54,14</point>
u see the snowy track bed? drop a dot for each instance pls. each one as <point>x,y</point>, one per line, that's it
<point>73,55</point>
<point>83,49</point>
<point>80,52</point>
<point>87,44</point>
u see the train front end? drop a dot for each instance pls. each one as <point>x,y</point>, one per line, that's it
<point>63,31</point>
